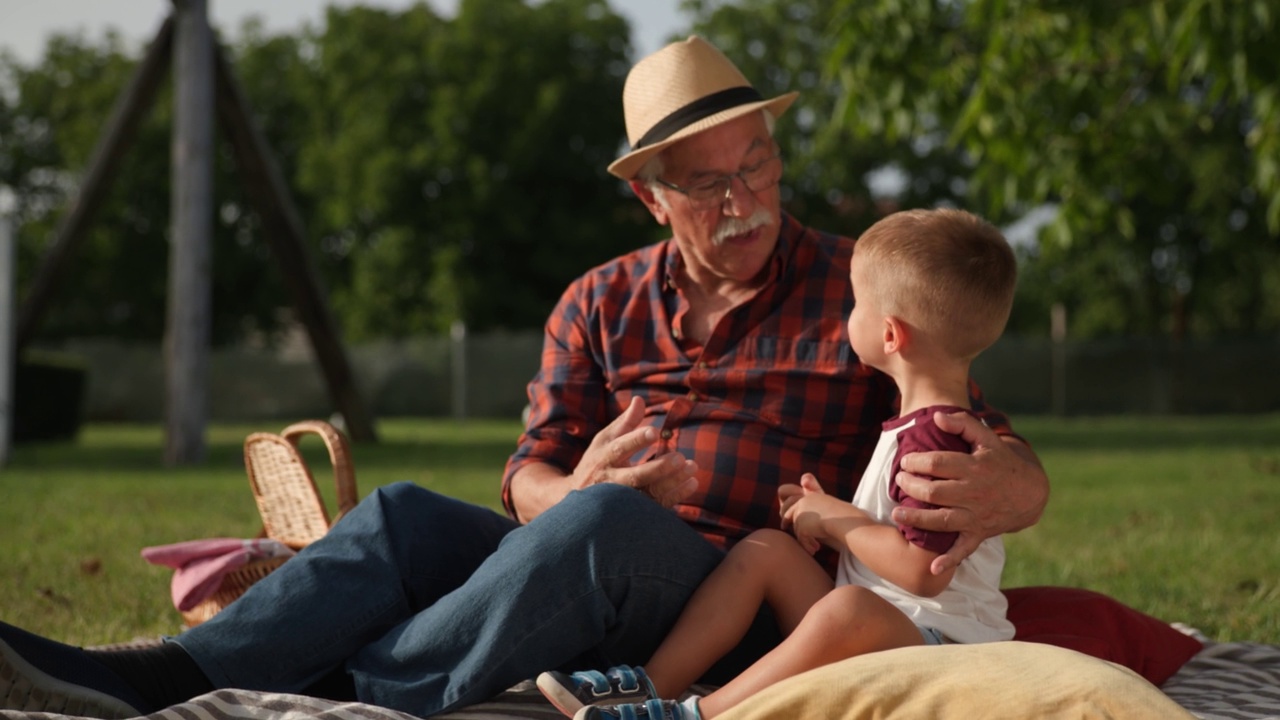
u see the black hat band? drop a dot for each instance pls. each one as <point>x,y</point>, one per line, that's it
<point>695,111</point>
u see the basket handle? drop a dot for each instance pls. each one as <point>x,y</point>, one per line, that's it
<point>339,455</point>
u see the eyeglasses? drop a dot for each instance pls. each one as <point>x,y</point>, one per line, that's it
<point>713,193</point>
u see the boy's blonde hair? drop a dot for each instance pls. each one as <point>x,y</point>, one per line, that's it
<point>948,273</point>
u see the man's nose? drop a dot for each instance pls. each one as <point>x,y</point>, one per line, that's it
<point>739,200</point>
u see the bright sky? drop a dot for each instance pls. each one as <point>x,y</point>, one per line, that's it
<point>25,24</point>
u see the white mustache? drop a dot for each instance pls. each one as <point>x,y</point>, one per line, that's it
<point>731,226</point>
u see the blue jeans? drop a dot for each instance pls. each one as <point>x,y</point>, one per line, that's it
<point>432,604</point>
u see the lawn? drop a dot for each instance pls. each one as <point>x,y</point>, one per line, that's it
<point>1173,516</point>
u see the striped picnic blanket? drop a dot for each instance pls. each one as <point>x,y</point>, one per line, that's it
<point>1229,681</point>
<point>1225,681</point>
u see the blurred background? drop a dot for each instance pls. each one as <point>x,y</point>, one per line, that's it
<point>447,161</point>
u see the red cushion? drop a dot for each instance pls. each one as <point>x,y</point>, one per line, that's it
<point>1094,624</point>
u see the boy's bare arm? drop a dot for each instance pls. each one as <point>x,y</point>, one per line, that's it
<point>840,525</point>
<point>889,555</point>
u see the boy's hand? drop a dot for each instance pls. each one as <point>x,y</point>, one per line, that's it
<point>787,496</point>
<point>790,493</point>
<point>804,507</point>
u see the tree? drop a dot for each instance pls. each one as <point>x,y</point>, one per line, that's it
<point>834,180</point>
<point>1154,128</point>
<point>116,283</point>
<point>444,170</point>
<point>57,110</point>
<point>458,165</point>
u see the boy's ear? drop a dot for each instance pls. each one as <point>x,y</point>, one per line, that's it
<point>896,335</point>
<point>645,193</point>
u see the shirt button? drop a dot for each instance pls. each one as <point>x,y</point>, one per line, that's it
<point>666,434</point>
<point>693,396</point>
<point>702,365</point>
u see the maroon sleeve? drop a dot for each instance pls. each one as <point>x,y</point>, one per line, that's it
<point>924,436</point>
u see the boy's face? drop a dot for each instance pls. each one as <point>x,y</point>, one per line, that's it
<point>866,321</point>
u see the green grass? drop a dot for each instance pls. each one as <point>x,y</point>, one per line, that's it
<point>1177,517</point>
<point>1174,516</point>
<point>74,517</point>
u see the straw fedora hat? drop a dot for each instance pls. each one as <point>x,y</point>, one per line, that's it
<point>684,88</point>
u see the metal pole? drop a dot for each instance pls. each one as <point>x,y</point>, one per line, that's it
<point>1058,333</point>
<point>7,358</point>
<point>189,320</point>
<point>458,367</point>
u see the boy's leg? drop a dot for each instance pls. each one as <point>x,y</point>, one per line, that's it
<point>768,566</point>
<point>848,621</point>
<point>595,581</point>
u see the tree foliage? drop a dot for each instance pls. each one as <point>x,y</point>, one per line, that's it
<point>459,167</point>
<point>1153,128</point>
<point>833,180</point>
<point>445,169</point>
<point>453,168</point>
<point>116,282</point>
<point>56,112</point>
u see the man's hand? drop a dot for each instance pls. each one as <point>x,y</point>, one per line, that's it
<point>667,479</point>
<point>1000,487</point>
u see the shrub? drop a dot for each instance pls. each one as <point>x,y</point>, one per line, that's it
<point>48,396</point>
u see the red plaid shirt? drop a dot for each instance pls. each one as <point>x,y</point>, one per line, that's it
<point>775,392</point>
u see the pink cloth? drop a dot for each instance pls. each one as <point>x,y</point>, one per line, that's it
<point>200,565</point>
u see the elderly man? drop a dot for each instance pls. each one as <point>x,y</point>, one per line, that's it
<point>680,385</point>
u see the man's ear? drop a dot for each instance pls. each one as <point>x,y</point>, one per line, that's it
<point>645,193</point>
<point>896,335</point>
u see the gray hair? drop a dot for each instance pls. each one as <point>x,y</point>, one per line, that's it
<point>648,175</point>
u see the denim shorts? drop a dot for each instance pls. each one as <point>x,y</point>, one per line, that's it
<point>932,637</point>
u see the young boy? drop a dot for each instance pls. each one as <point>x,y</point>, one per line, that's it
<point>933,288</point>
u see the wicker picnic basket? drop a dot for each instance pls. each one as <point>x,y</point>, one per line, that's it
<point>292,510</point>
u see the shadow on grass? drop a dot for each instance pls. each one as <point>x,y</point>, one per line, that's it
<point>1236,432</point>
<point>228,454</point>
<point>432,454</point>
<point>117,458</point>
<point>445,447</point>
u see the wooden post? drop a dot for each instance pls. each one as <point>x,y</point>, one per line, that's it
<point>116,137</point>
<point>189,321</point>
<point>283,230</point>
<point>187,343</point>
<point>8,360</point>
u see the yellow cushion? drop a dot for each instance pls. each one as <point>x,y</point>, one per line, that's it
<point>1014,680</point>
